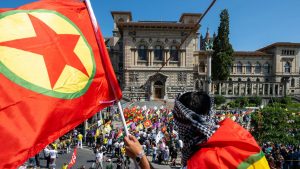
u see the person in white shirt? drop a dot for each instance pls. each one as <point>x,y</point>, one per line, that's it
<point>99,159</point>
<point>53,155</point>
<point>154,152</point>
<point>180,144</point>
<point>117,148</point>
<point>47,155</point>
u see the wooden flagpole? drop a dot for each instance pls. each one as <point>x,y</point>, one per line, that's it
<point>96,29</point>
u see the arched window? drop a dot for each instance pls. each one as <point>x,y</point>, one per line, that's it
<point>239,68</point>
<point>158,83</point>
<point>248,68</point>
<point>257,80</point>
<point>239,79</point>
<point>293,82</point>
<point>287,67</point>
<point>158,53</point>
<point>174,53</point>
<point>266,68</point>
<point>257,68</point>
<point>202,67</point>
<point>142,52</point>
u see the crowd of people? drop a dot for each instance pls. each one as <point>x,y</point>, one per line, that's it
<point>282,156</point>
<point>157,133</point>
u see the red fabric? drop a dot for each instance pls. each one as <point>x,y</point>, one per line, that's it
<point>29,120</point>
<point>230,145</point>
<point>73,158</point>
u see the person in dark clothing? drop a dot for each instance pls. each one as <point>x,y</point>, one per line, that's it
<point>119,163</point>
<point>173,154</point>
<point>37,160</point>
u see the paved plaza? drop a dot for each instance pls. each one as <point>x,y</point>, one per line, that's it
<point>86,157</point>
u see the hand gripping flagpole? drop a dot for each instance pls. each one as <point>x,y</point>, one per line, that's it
<point>96,29</point>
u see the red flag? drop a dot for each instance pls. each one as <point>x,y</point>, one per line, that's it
<point>147,123</point>
<point>54,75</point>
<point>73,158</point>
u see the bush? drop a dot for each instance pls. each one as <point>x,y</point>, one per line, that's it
<point>242,101</point>
<point>219,100</point>
<point>256,101</point>
<point>232,104</point>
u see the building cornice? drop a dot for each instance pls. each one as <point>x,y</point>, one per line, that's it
<point>279,44</point>
<point>238,53</point>
<point>121,13</point>
<point>157,25</point>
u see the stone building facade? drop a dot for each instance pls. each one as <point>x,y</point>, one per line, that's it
<point>159,59</point>
<point>154,59</point>
<point>272,71</point>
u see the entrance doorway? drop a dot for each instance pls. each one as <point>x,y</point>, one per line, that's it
<point>158,90</point>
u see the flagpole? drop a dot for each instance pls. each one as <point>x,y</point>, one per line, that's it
<point>96,28</point>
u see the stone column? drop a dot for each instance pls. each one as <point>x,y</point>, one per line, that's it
<point>149,57</point>
<point>251,92</point>
<point>269,87</point>
<point>239,88</point>
<point>245,89</point>
<point>219,88</point>
<point>278,89</point>
<point>182,58</point>
<point>226,89</point>
<point>233,88</point>
<point>134,57</point>
<point>208,74</point>
<point>273,89</point>
<point>263,89</point>
<point>167,56</point>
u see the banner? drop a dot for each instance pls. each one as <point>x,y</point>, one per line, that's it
<point>73,158</point>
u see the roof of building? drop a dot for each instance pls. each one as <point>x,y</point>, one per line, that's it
<point>241,53</point>
<point>156,25</point>
<point>250,53</point>
<point>280,44</point>
<point>122,13</point>
<point>189,14</point>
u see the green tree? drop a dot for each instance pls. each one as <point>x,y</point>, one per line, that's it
<point>276,124</point>
<point>222,55</point>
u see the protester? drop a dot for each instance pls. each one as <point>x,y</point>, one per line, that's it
<point>65,166</point>
<point>99,159</point>
<point>79,139</point>
<point>109,165</point>
<point>53,156</point>
<point>208,144</point>
<point>154,152</point>
<point>173,154</point>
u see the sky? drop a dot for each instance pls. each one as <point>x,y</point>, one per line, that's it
<point>253,23</point>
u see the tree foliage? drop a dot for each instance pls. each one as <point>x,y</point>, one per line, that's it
<point>219,99</point>
<point>222,55</point>
<point>277,124</point>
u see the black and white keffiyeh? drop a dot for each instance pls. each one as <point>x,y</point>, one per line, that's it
<point>193,128</point>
